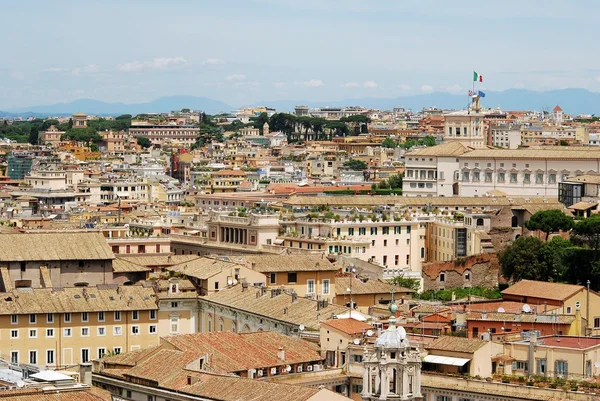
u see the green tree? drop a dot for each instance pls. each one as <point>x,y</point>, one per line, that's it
<point>34,136</point>
<point>208,134</point>
<point>355,164</point>
<point>389,143</point>
<point>70,123</point>
<point>143,142</point>
<point>549,221</point>
<point>406,282</point>
<point>532,259</point>
<point>429,141</point>
<point>395,181</point>
<point>589,229</point>
<point>259,121</point>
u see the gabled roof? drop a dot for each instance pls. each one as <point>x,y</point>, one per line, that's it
<point>289,263</point>
<point>453,148</point>
<point>543,290</point>
<point>342,283</point>
<point>457,344</point>
<point>349,326</point>
<point>557,108</point>
<point>54,246</point>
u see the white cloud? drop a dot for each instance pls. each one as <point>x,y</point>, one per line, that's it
<point>236,77</point>
<point>213,61</point>
<point>279,84</point>
<point>249,83</point>
<point>426,88</point>
<point>454,88</point>
<point>351,85</point>
<point>55,69</point>
<point>313,83</point>
<point>404,87</point>
<point>88,68</point>
<point>370,84</point>
<point>161,63</point>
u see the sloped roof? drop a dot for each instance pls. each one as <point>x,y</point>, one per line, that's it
<point>289,263</point>
<point>202,268</point>
<point>349,326</point>
<point>303,311</point>
<point>54,246</point>
<point>453,148</point>
<point>121,265</point>
<point>157,260</point>
<point>77,299</point>
<point>342,283</point>
<point>543,290</point>
<point>458,344</point>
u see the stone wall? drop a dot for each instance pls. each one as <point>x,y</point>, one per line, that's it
<point>474,271</point>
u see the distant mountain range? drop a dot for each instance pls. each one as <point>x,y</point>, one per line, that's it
<point>572,101</point>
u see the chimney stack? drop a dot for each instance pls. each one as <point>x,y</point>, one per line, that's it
<point>281,354</point>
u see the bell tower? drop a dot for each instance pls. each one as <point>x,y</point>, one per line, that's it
<point>392,371</point>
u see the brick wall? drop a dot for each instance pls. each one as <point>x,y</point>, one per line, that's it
<point>482,270</point>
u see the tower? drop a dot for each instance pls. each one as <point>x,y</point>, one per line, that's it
<point>266,129</point>
<point>392,371</point>
<point>466,126</point>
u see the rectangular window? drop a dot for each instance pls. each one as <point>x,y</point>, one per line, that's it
<point>67,317</point>
<point>32,318</point>
<point>152,315</point>
<point>310,286</point>
<point>101,352</point>
<point>135,330</point>
<point>67,332</point>
<point>85,317</point>
<point>551,178</point>
<point>33,357</point>
<point>14,357</point>
<point>488,176</point>
<point>50,318</point>
<point>175,325</point>
<point>50,333</point>
<point>351,231</point>
<point>100,316</point>
<point>152,329</point>
<point>373,230</point>
<point>385,230</point>
<point>117,330</point>
<point>14,333</point>
<point>465,176</point>
<point>32,333</point>
<point>292,277</point>
<point>85,332</point>
<point>597,322</point>
<point>14,319</point>
<point>561,368</point>
<point>135,315</point>
<point>117,316</point>
<point>513,177</point>
<point>501,177</point>
<point>326,287</point>
<point>526,178</point>
<point>539,178</point>
<point>85,355</point>
<point>475,175</point>
<point>101,331</point>
<point>50,357</point>
<point>174,304</point>
<point>384,242</point>
<point>272,278</point>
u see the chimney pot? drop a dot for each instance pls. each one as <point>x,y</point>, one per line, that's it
<point>281,354</point>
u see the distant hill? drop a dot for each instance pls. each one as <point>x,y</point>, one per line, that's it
<point>162,104</point>
<point>572,101</point>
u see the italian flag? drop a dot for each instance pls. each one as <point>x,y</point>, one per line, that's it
<point>477,77</point>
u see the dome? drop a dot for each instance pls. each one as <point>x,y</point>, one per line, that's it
<point>393,337</point>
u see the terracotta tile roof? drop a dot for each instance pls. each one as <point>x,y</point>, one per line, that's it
<point>54,246</point>
<point>523,318</point>
<point>157,260</point>
<point>203,268</point>
<point>543,290</point>
<point>231,388</point>
<point>229,172</point>
<point>303,311</point>
<point>349,326</point>
<point>121,265</point>
<point>77,299</point>
<point>458,344</point>
<point>38,394</point>
<point>447,149</point>
<point>548,152</point>
<point>289,263</point>
<point>342,283</point>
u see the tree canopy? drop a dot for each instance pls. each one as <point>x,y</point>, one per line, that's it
<point>549,221</point>
<point>355,164</point>
<point>143,142</point>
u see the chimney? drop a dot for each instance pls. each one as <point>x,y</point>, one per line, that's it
<point>281,354</point>
<point>294,298</point>
<point>85,373</point>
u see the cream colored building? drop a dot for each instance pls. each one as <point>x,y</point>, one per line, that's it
<point>465,126</point>
<point>66,326</point>
<point>251,231</point>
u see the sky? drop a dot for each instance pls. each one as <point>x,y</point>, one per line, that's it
<point>248,51</point>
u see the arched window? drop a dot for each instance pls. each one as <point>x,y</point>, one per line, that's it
<point>246,329</point>
<point>479,222</point>
<point>515,221</point>
<point>209,324</point>
<point>221,324</point>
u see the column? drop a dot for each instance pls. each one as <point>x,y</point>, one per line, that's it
<point>384,383</point>
<point>237,235</point>
<point>246,236</point>
<point>366,380</point>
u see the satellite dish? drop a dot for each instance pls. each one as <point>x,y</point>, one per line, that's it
<point>369,333</point>
<point>526,308</point>
<point>301,327</point>
<point>356,341</point>
<point>288,368</point>
<point>21,383</point>
<point>597,364</point>
<point>501,310</point>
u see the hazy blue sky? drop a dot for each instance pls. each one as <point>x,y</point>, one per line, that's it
<point>255,50</point>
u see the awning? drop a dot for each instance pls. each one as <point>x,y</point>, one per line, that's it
<point>278,241</point>
<point>446,360</point>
